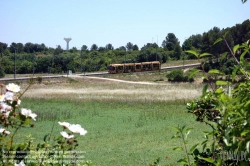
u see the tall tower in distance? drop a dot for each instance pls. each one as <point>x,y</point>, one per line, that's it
<point>67,40</point>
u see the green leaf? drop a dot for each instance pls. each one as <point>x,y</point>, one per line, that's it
<point>218,40</point>
<point>247,146</point>
<point>204,90</point>
<point>234,72</point>
<point>221,83</point>
<point>193,147</point>
<point>187,133</point>
<point>222,57</point>
<point>226,141</point>
<point>247,103</point>
<point>236,48</point>
<point>177,149</point>
<point>205,55</point>
<point>214,71</point>
<point>193,72</point>
<point>210,160</point>
<point>193,52</point>
<point>183,161</point>
<point>176,129</point>
<point>27,121</point>
<point>224,36</point>
<point>242,57</point>
<point>45,137</point>
<point>244,133</point>
<point>219,91</point>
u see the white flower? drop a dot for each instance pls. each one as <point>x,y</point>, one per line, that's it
<point>5,109</point>
<point>66,135</point>
<point>188,104</point>
<point>64,124</point>
<point>20,164</point>
<point>3,131</point>
<point>28,113</point>
<point>83,132</point>
<point>18,102</point>
<point>6,132</point>
<point>76,128</point>
<point>2,97</point>
<point>13,87</point>
<point>9,96</point>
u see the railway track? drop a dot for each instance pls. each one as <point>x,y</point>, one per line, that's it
<point>95,73</point>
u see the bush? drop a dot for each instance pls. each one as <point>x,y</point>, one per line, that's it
<point>39,79</point>
<point>2,73</point>
<point>178,76</point>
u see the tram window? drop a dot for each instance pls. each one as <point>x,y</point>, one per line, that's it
<point>155,65</point>
<point>120,67</point>
<point>111,68</point>
<point>138,66</point>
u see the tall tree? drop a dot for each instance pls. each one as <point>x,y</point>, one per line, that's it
<point>13,47</point>
<point>122,48</point>
<point>129,46</point>
<point>94,47</point>
<point>29,47</point>
<point>102,49</point>
<point>170,42</point>
<point>58,50</point>
<point>109,47</point>
<point>135,47</point>
<point>3,47</point>
<point>84,48</point>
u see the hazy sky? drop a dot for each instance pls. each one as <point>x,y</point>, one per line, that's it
<point>114,21</point>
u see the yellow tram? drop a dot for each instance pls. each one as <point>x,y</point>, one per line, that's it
<point>134,67</point>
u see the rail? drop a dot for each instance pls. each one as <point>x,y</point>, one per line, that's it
<point>96,73</point>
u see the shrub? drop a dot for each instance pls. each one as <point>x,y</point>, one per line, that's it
<point>225,108</point>
<point>39,79</point>
<point>178,76</point>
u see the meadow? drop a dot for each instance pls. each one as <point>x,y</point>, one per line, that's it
<point>128,123</point>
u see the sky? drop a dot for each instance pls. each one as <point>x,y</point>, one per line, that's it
<point>114,21</point>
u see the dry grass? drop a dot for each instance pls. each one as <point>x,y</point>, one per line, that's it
<point>101,89</point>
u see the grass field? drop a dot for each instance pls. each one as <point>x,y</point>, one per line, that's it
<point>127,123</point>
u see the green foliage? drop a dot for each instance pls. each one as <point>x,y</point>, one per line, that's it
<point>2,73</point>
<point>182,133</point>
<point>39,79</point>
<point>178,76</point>
<point>226,110</point>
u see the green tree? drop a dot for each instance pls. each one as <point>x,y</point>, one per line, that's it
<point>122,48</point>
<point>94,47</point>
<point>13,47</point>
<point>129,46</point>
<point>109,47</point>
<point>170,42</point>
<point>84,48</point>
<point>3,47</point>
<point>58,50</point>
<point>29,47</point>
<point>135,47</point>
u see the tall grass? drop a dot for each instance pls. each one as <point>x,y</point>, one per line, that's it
<point>119,133</point>
<point>127,124</point>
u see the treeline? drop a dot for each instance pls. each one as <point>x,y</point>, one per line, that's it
<point>39,58</point>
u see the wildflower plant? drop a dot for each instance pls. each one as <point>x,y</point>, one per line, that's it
<point>60,150</point>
